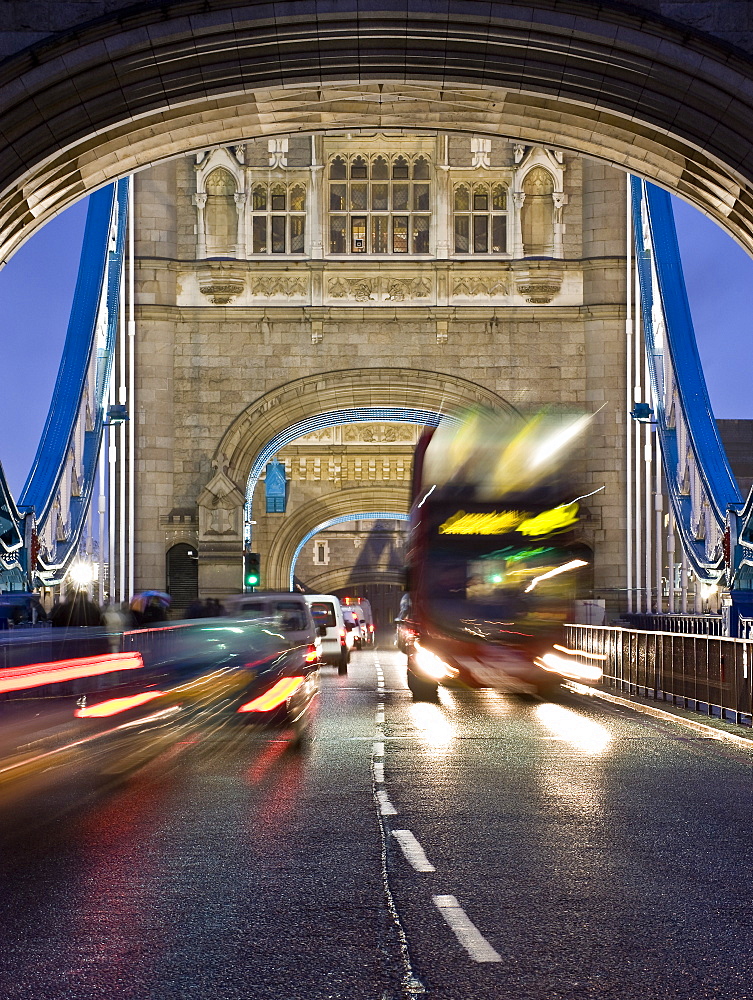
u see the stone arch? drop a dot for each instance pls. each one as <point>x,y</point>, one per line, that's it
<point>620,84</point>
<point>359,516</point>
<point>314,394</point>
<point>378,498</point>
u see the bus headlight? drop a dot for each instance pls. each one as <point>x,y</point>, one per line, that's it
<point>572,669</point>
<point>431,665</point>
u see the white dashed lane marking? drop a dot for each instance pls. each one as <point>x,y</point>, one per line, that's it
<point>414,853</point>
<point>379,773</point>
<point>386,808</point>
<point>465,930</point>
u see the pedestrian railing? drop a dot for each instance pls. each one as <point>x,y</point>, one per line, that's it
<point>704,673</point>
<point>682,623</point>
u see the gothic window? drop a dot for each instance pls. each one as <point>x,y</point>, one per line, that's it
<point>379,205</point>
<point>480,218</point>
<point>537,214</point>
<point>278,218</point>
<point>221,213</point>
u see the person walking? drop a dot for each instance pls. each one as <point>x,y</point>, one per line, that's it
<point>77,610</point>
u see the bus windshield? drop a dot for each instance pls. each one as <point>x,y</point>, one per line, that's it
<point>500,571</point>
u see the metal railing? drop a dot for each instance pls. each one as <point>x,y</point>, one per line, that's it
<point>680,623</point>
<point>704,673</point>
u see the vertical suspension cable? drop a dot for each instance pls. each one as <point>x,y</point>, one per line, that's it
<point>101,509</point>
<point>658,526</point>
<point>131,393</point>
<point>637,397</point>
<point>111,487</point>
<point>121,450</point>
<point>648,458</point>
<point>671,561</point>
<point>628,403</point>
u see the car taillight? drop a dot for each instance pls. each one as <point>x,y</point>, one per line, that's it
<point>371,628</point>
<point>342,635</point>
<point>276,696</point>
<point>311,655</point>
<point>114,705</point>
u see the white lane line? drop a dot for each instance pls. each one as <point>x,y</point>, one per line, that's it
<point>386,808</point>
<point>380,714</point>
<point>465,931</point>
<point>414,853</point>
<point>378,749</point>
<point>379,773</point>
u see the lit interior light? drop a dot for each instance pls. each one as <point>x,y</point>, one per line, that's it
<point>579,732</point>
<point>572,669</point>
<point>565,568</point>
<point>490,523</point>
<point>115,705</point>
<point>37,674</point>
<point>277,695</point>
<point>550,520</point>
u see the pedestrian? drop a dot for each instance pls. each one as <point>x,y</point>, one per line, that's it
<point>77,610</point>
<point>196,609</point>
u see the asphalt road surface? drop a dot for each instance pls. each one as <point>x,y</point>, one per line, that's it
<point>483,847</point>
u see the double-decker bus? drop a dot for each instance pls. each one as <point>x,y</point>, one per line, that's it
<point>495,559</point>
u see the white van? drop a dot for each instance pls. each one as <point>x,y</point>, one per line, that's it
<point>289,612</point>
<point>336,639</point>
<point>362,612</point>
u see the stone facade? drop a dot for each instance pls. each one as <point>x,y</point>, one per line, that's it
<point>232,349</point>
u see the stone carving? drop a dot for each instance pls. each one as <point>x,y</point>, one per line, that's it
<point>476,284</point>
<point>480,151</point>
<point>386,287</point>
<point>270,285</point>
<point>539,292</point>
<point>222,292</point>
<point>278,152</point>
<point>220,508</point>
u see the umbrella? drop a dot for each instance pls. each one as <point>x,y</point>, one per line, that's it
<point>140,601</point>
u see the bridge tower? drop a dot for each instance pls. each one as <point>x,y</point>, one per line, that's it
<point>305,303</point>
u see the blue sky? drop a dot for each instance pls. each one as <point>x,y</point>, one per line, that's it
<point>36,288</point>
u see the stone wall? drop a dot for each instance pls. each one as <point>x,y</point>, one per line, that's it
<point>200,365</point>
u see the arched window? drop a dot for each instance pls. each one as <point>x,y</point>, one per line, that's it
<point>278,218</point>
<point>381,206</point>
<point>221,213</point>
<point>480,218</point>
<point>338,169</point>
<point>537,214</point>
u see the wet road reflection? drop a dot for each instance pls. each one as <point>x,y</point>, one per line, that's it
<point>534,850</point>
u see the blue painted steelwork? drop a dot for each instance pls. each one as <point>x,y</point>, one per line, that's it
<point>332,418</point>
<point>700,482</point>
<point>378,516</point>
<point>92,327</point>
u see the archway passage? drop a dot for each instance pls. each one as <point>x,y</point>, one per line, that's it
<point>151,81</point>
<point>244,446</point>
<point>346,573</point>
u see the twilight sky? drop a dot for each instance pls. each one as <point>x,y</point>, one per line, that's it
<point>36,288</point>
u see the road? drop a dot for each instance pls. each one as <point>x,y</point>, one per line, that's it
<point>483,847</point>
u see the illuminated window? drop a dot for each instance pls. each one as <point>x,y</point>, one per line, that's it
<point>379,205</point>
<point>480,218</point>
<point>278,218</point>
